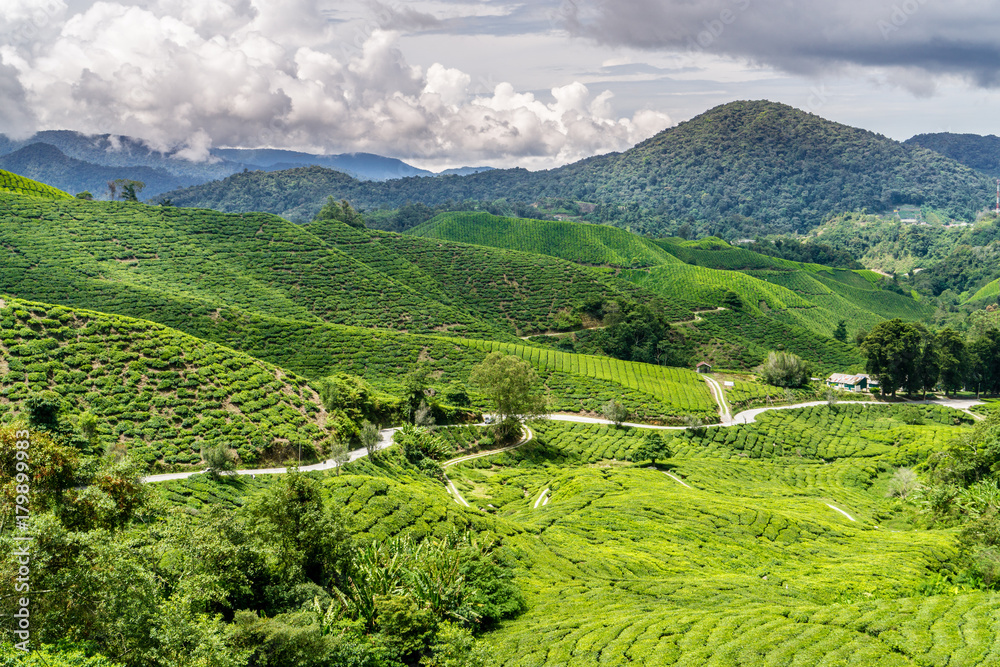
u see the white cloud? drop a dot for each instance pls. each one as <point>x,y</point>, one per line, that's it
<point>194,73</point>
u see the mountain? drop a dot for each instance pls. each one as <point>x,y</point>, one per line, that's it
<point>740,168</point>
<point>75,162</point>
<point>47,163</point>
<point>973,150</point>
<point>363,166</point>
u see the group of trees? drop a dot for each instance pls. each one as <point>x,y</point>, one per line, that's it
<point>909,356</point>
<point>281,580</point>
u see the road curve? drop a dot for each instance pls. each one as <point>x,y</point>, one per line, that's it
<point>745,417</point>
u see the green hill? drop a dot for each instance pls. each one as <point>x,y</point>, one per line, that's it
<point>11,183</point>
<point>156,392</point>
<point>740,168</point>
<point>598,245</point>
<point>981,153</point>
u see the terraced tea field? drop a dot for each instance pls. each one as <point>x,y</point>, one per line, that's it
<point>684,390</point>
<point>750,561</point>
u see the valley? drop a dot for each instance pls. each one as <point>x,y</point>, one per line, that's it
<point>260,436</point>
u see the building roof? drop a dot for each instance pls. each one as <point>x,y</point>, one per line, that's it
<point>703,363</point>
<point>844,378</point>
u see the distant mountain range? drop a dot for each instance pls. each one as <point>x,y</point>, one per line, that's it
<point>746,167</point>
<point>76,162</point>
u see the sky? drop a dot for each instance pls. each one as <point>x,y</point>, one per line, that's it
<point>447,83</point>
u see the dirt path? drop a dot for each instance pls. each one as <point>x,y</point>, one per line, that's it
<point>714,388</point>
<point>526,436</point>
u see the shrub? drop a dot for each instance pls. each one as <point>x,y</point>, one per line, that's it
<point>784,369</point>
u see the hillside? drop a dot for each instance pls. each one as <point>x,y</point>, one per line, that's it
<point>973,150</point>
<point>160,394</point>
<point>598,245</point>
<point>15,184</point>
<point>765,302</point>
<point>737,169</point>
<point>47,163</point>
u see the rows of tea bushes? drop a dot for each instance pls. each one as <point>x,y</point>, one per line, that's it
<point>751,566</point>
<point>683,390</point>
<point>162,394</point>
<point>531,292</point>
<point>844,431</point>
<point>748,338</point>
<point>13,184</point>
<point>65,251</point>
<point>597,245</point>
<point>714,253</point>
<point>709,286</point>
<point>380,507</point>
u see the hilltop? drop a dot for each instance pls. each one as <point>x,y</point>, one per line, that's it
<point>739,168</point>
<point>981,153</point>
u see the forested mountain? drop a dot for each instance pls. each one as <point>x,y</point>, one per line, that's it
<point>973,150</point>
<point>45,162</point>
<point>739,168</point>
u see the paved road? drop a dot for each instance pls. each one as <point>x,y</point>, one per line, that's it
<point>745,417</point>
<point>385,439</point>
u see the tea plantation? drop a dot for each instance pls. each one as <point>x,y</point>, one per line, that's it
<point>748,564</point>
<point>156,392</point>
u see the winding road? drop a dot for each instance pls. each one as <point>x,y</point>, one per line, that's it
<point>726,418</point>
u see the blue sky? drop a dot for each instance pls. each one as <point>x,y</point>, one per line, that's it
<point>444,83</point>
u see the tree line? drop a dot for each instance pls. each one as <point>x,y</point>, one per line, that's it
<point>910,357</point>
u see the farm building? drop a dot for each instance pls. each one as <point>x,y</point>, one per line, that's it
<point>859,382</point>
<point>703,367</point>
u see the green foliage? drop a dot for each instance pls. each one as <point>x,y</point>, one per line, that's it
<point>18,185</point>
<point>341,212</point>
<point>783,369</point>
<point>615,412</point>
<point>161,394</point>
<point>509,385</point>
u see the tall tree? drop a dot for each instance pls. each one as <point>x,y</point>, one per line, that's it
<point>953,360</point>
<point>509,384</point>
<point>892,348</point>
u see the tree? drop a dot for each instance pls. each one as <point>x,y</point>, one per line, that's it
<point>509,385</point>
<point>339,454</point>
<point>369,436</point>
<point>953,360</point>
<point>43,409</point>
<point>653,447</point>
<point>218,459</point>
<point>840,333</point>
<point>926,366</point>
<point>892,349</point>
<point>85,195</point>
<point>340,211</point>
<point>311,538</point>
<point>125,188</point>
<point>784,369</point>
<point>614,412</point>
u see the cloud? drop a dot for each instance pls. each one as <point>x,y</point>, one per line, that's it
<point>807,37</point>
<point>198,73</point>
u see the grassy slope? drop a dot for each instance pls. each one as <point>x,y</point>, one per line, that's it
<point>749,566</point>
<point>162,394</point>
<point>584,244</point>
<point>11,183</point>
<point>152,262</point>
